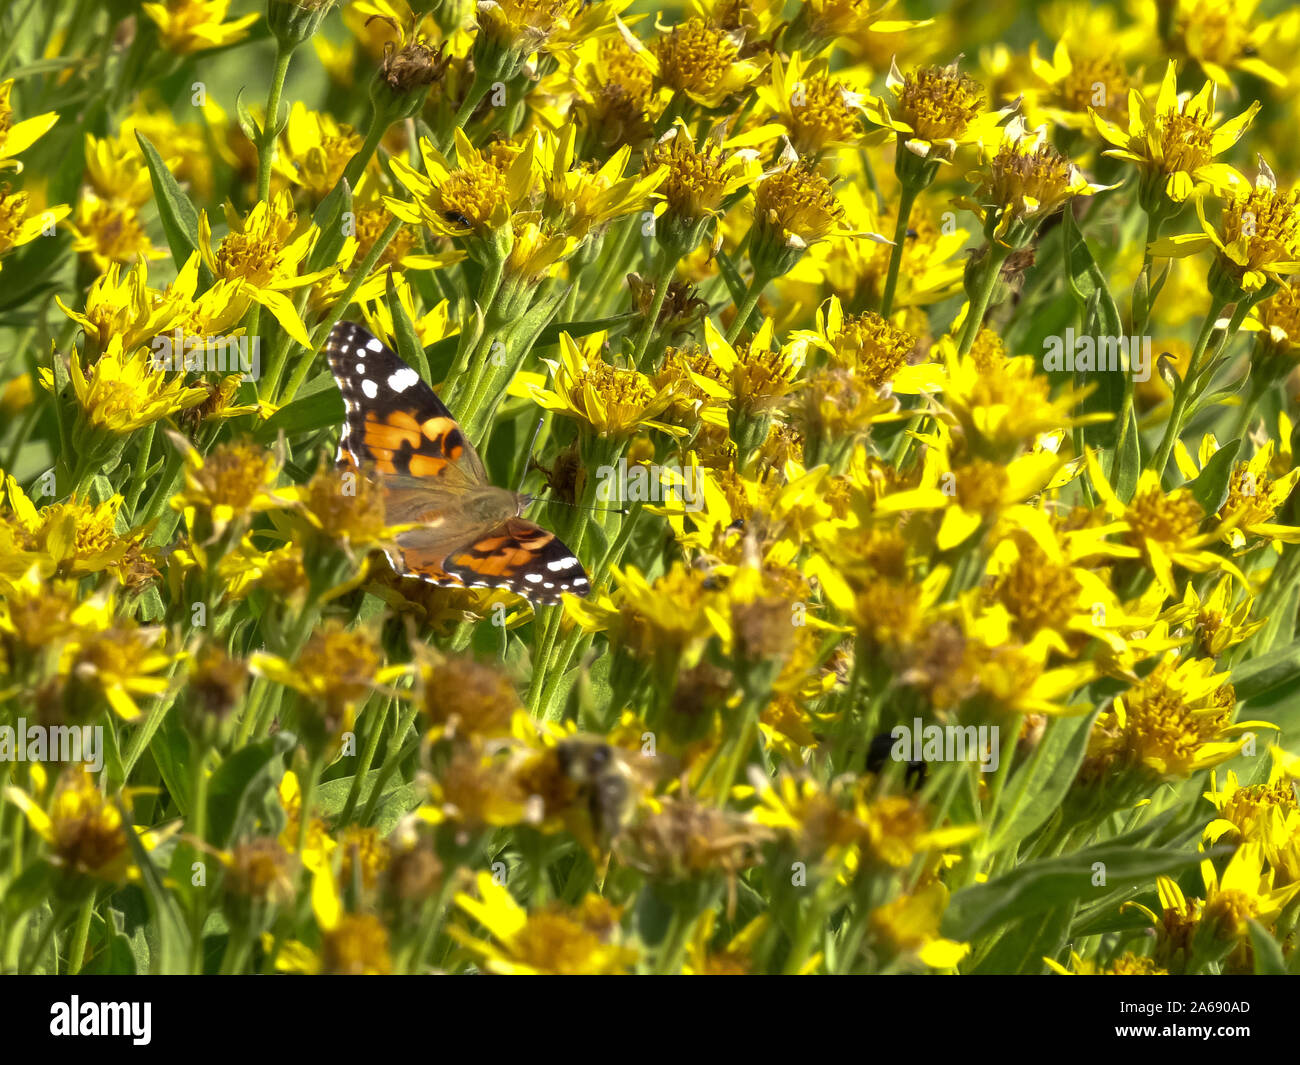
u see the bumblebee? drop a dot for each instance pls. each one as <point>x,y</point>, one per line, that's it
<point>607,781</point>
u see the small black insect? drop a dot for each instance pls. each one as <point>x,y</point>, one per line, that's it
<point>458,218</point>
<point>912,234</point>
<point>879,752</point>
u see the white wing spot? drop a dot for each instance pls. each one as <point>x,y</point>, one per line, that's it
<point>375,345</point>
<point>369,388</point>
<point>562,564</point>
<point>532,578</point>
<point>361,369</point>
<point>403,379</point>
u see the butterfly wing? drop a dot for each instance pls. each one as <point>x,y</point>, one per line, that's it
<point>468,534</point>
<point>393,420</point>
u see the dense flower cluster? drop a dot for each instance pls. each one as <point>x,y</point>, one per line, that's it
<point>921,408</point>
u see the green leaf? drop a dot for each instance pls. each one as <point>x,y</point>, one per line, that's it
<point>1210,488</point>
<point>180,219</point>
<point>735,283</point>
<point>329,220</point>
<point>1086,279</point>
<point>1022,949</point>
<point>408,343</point>
<point>1268,952</point>
<point>1037,787</point>
<point>171,955</point>
<point>1045,885</point>
<point>305,414</point>
<point>1100,319</point>
<point>1258,675</point>
<point>32,887</point>
<point>229,789</point>
<point>1126,465</point>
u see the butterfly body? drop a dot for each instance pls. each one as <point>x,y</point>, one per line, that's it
<point>468,532</point>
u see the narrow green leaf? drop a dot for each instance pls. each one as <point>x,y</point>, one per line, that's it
<point>1268,952</point>
<point>1037,788</point>
<point>180,219</point>
<point>172,954</point>
<point>408,342</point>
<point>318,411</point>
<point>1210,488</point>
<point>1045,885</point>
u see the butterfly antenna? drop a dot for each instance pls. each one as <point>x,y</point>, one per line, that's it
<point>528,462</point>
<point>581,506</point>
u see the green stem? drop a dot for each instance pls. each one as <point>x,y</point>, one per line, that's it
<point>266,150</point>
<point>907,197</point>
<point>80,933</point>
<point>756,287</point>
<point>1183,393</point>
<point>397,751</point>
<point>359,276</point>
<point>979,299</point>
<point>363,768</point>
<point>665,267</point>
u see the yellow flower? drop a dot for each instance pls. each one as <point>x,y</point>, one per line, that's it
<point>1221,36</point>
<point>318,148</point>
<point>122,662</point>
<point>21,223</point>
<point>1216,623</point>
<point>819,22</point>
<point>556,940</point>
<point>476,197</point>
<point>697,183</point>
<point>1257,242</point>
<point>934,110</point>
<point>109,231</point>
<point>699,60</point>
<point>1162,527</point>
<point>1025,182</point>
<point>116,171</point>
<point>335,670</point>
<point>122,393</point>
<point>614,402</point>
<point>910,925</point>
<point>794,208</point>
<point>260,256</point>
<point>189,26</point>
<point>235,481</point>
<point>1174,722</point>
<point>816,111</point>
<point>1174,143</point>
<point>582,199</point>
<point>17,137</point>
<point>82,827</point>
<point>1092,83</point>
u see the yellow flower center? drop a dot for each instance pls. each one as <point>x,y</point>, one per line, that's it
<point>1078,90</point>
<point>235,474</point>
<point>1265,224</point>
<point>1040,594</point>
<point>1165,517</point>
<point>981,485</point>
<point>695,56</point>
<point>798,201</point>
<point>696,181</point>
<point>822,118</point>
<point>939,102</point>
<point>872,347</point>
<point>357,946</point>
<point>1185,138</point>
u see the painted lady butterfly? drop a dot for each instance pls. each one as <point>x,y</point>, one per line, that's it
<point>470,534</point>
